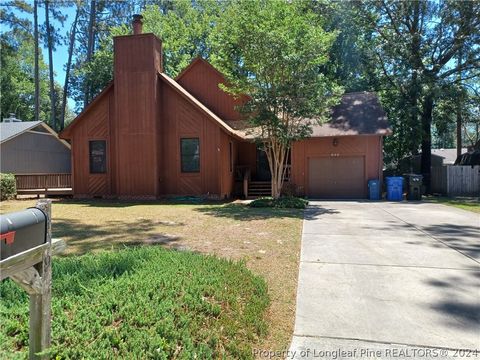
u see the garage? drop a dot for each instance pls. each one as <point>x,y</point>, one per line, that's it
<point>341,177</point>
<point>341,155</point>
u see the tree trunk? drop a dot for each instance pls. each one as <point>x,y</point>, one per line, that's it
<point>53,117</point>
<point>427,141</point>
<point>67,70</point>
<point>36,70</point>
<point>90,47</point>
<point>276,155</point>
<point>459,108</point>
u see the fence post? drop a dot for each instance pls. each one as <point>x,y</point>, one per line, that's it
<point>40,303</point>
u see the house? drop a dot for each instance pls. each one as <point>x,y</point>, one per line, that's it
<point>32,147</point>
<point>147,135</point>
<point>439,158</point>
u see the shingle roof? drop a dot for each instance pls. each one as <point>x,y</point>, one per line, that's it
<point>9,130</point>
<point>358,113</point>
<point>449,155</point>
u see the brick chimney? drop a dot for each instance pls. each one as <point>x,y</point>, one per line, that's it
<point>137,24</point>
<point>137,62</point>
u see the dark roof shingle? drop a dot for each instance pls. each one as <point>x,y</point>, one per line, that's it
<point>358,113</point>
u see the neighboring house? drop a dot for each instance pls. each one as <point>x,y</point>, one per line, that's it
<point>439,158</point>
<point>147,135</point>
<point>32,147</point>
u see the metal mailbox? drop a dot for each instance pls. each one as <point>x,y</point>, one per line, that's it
<point>20,231</point>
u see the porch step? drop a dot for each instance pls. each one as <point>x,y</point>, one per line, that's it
<point>259,188</point>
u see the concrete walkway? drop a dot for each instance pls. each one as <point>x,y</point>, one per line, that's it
<point>388,280</point>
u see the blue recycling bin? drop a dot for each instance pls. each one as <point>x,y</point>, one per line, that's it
<point>394,188</point>
<point>374,189</point>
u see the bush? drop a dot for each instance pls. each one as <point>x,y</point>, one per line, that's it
<point>143,303</point>
<point>8,186</point>
<point>287,202</point>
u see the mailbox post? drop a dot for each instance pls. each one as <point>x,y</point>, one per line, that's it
<point>31,270</point>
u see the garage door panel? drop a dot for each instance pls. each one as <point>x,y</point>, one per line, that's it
<point>336,177</point>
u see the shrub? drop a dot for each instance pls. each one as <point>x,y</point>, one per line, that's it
<point>289,202</point>
<point>143,303</point>
<point>8,186</point>
<point>289,189</point>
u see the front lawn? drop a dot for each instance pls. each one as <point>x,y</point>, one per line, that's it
<point>144,303</point>
<point>266,239</point>
<point>470,204</point>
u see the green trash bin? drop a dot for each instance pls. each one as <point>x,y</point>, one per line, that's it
<point>414,186</point>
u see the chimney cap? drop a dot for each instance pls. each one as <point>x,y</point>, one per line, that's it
<point>137,17</point>
<point>137,24</point>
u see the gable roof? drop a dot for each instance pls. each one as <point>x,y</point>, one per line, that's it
<point>358,113</point>
<point>65,133</point>
<point>198,59</point>
<point>10,130</point>
<point>194,101</point>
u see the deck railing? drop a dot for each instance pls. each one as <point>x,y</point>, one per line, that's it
<point>43,183</point>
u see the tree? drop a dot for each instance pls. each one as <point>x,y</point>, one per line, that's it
<point>53,117</point>
<point>36,78</point>
<point>415,44</point>
<point>272,52</point>
<point>17,85</point>
<point>68,66</point>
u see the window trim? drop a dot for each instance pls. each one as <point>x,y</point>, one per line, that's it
<point>90,156</point>
<point>181,156</point>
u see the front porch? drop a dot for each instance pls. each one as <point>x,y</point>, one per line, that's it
<point>252,174</point>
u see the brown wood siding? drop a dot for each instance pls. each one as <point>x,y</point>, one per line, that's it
<point>368,147</point>
<point>202,80</point>
<point>227,173</point>
<point>94,126</point>
<point>180,119</point>
<point>137,61</point>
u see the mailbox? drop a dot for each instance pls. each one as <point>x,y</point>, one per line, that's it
<point>20,231</point>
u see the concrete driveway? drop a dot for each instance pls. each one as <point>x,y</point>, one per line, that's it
<point>395,279</point>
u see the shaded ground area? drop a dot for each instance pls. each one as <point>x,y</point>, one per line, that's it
<point>388,276</point>
<point>268,240</point>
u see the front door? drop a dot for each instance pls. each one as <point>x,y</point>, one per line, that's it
<point>263,169</point>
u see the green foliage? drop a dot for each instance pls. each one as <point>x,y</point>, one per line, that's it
<point>287,202</point>
<point>8,186</point>
<point>421,53</point>
<point>17,86</point>
<point>144,302</point>
<point>185,30</point>
<point>273,52</point>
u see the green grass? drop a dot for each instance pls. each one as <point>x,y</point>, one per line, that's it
<point>288,202</point>
<point>143,302</point>
<point>267,240</point>
<point>465,204</point>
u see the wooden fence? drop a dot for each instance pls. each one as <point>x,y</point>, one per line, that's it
<point>37,184</point>
<point>456,180</point>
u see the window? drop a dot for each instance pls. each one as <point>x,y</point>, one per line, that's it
<point>98,156</point>
<point>231,155</point>
<point>190,154</point>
